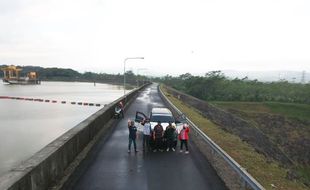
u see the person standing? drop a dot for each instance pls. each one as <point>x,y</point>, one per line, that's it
<point>169,134</point>
<point>175,137</point>
<point>146,135</point>
<point>183,136</point>
<point>132,135</point>
<point>158,137</point>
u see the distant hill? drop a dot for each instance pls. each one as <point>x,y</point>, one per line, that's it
<point>61,74</point>
<point>269,76</point>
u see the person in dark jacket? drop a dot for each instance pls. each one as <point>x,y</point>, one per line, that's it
<point>132,135</point>
<point>169,135</point>
<point>175,137</point>
<point>158,133</point>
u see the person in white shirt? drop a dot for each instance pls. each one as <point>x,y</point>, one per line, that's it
<point>146,135</point>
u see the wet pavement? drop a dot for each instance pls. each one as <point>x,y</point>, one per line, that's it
<point>109,166</point>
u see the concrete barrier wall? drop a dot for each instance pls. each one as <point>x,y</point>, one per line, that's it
<point>48,165</point>
<point>233,175</point>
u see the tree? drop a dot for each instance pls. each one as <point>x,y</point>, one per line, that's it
<point>215,86</point>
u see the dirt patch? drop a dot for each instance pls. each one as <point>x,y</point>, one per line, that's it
<point>291,135</point>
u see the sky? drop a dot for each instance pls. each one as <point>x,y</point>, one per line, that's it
<point>174,37</point>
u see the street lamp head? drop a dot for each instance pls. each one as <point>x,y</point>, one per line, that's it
<point>125,70</point>
<point>133,58</point>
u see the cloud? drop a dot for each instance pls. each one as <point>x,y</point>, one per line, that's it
<point>174,36</point>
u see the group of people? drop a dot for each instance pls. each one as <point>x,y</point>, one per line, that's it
<point>159,139</point>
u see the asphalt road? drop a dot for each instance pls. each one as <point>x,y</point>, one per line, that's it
<point>111,167</point>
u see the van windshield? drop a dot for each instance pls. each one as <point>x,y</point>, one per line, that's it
<point>162,118</point>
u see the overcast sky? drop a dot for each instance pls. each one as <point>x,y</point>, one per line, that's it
<point>174,36</point>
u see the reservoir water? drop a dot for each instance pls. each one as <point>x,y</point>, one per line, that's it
<point>28,126</point>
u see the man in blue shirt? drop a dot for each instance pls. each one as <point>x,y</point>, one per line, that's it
<point>132,135</point>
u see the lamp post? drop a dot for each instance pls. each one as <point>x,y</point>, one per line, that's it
<point>125,69</point>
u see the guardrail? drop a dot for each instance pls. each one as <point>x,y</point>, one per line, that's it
<point>246,181</point>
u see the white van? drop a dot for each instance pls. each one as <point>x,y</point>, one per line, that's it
<point>162,115</point>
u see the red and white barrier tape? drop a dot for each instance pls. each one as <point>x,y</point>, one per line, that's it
<point>50,101</point>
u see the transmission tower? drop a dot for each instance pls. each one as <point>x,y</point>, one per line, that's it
<point>303,77</point>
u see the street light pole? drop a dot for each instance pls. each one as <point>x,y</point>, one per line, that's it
<point>125,70</point>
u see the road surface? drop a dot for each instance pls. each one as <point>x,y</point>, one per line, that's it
<point>109,166</point>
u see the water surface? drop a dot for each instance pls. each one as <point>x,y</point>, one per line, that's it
<point>28,126</point>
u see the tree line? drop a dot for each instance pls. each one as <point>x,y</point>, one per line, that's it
<point>60,74</point>
<point>215,86</point>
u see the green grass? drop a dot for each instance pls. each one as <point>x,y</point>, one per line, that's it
<point>243,106</point>
<point>304,172</point>
<point>299,111</point>
<point>266,172</point>
<point>290,110</point>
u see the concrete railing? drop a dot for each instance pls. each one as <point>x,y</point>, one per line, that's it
<point>233,175</point>
<point>48,165</point>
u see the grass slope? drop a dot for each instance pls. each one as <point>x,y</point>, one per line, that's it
<point>297,113</point>
<point>267,172</point>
